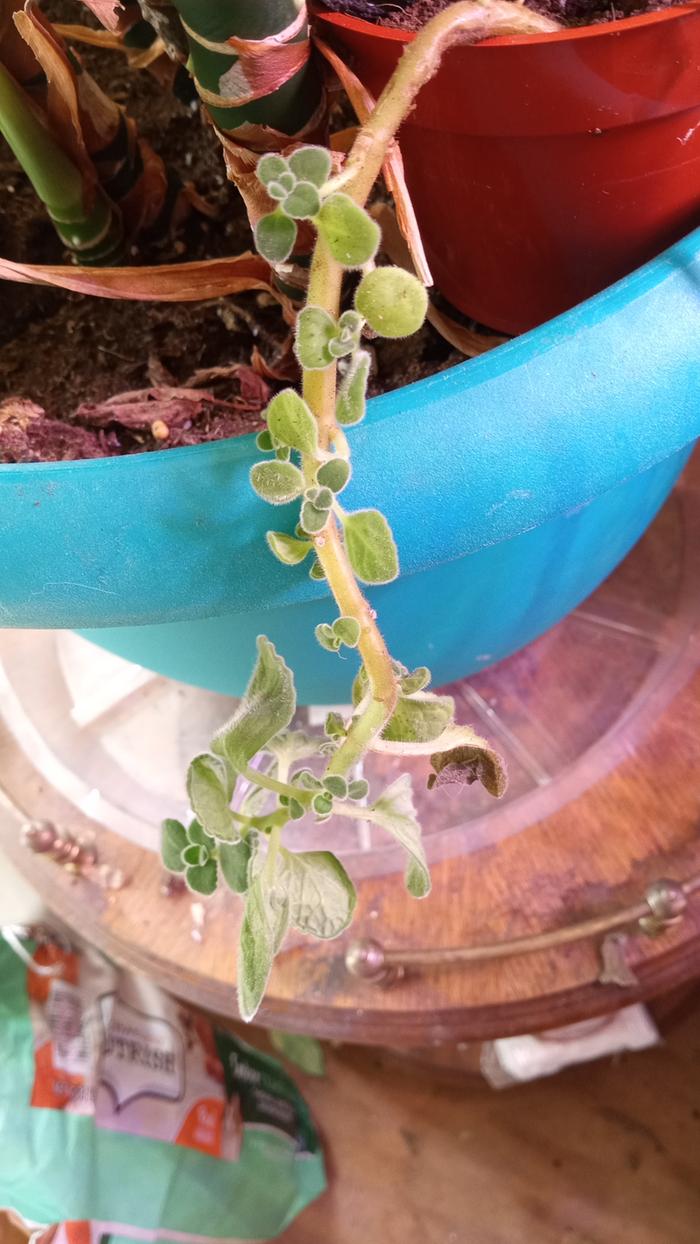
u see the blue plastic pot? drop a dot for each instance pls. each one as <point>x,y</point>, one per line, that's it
<point>514,484</point>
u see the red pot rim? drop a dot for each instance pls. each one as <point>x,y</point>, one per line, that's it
<point>601,30</point>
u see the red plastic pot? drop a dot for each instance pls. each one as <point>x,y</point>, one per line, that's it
<point>543,168</point>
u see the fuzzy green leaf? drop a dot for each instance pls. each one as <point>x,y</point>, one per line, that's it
<point>393,301</point>
<point>334,474</point>
<point>336,786</point>
<point>173,841</point>
<point>415,681</point>
<point>264,926</point>
<point>317,572</point>
<point>264,442</point>
<point>335,726</point>
<point>275,235</point>
<point>195,854</point>
<point>322,497</point>
<point>349,232</point>
<point>352,394</point>
<point>286,548</point>
<point>209,791</point>
<point>421,718</point>
<point>311,164</point>
<point>197,833</point>
<point>270,168</point>
<point>326,638</point>
<point>322,897</point>
<point>303,202</point>
<point>358,789</point>
<point>322,804</point>
<point>266,709</point>
<point>348,631</point>
<point>370,546</point>
<point>313,520</point>
<point>277,482</point>
<point>234,858</point>
<point>315,329</point>
<point>306,1053</point>
<point>202,878</point>
<point>394,811</point>
<point>291,423</point>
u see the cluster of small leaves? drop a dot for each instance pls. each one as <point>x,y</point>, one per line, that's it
<point>239,812</point>
<point>253,781</point>
<point>203,859</point>
<point>296,184</point>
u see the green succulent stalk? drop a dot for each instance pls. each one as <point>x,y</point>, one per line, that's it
<point>88,223</point>
<point>260,774</point>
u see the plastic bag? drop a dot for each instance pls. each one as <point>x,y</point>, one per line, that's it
<point>124,1112</point>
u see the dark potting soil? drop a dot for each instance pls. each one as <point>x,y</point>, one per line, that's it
<point>413,14</point>
<point>63,355</point>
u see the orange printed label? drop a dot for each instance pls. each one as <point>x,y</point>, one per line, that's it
<point>203,1126</point>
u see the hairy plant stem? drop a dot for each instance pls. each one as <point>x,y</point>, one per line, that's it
<point>465,22</point>
<point>277,787</point>
<point>325,283</point>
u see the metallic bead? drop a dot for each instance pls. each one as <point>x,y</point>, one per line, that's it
<point>366,959</point>
<point>667,902</point>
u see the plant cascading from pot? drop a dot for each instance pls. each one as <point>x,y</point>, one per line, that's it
<point>261,774</point>
<point>308,446</point>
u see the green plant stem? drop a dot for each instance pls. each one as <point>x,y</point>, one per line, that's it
<point>277,787</point>
<point>462,23</point>
<point>92,230</point>
<point>319,390</point>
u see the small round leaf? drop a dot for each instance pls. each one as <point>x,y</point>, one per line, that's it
<point>352,396</point>
<point>315,329</point>
<point>275,235</point>
<point>287,549</point>
<point>277,482</point>
<point>349,232</point>
<point>392,301</point>
<point>336,785</point>
<point>270,168</point>
<point>326,638</point>
<point>203,878</point>
<point>303,202</point>
<point>264,442</point>
<point>348,631</point>
<point>290,421</point>
<point>370,546</point>
<point>334,474</point>
<point>311,164</point>
<point>313,520</point>
<point>358,789</point>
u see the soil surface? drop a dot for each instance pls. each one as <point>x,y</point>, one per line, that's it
<point>413,14</point>
<point>63,355</point>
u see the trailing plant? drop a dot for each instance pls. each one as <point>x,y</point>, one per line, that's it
<point>261,774</point>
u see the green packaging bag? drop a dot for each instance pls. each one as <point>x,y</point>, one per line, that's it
<point>129,1114</point>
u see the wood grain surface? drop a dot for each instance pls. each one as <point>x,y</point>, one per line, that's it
<point>606,1153</point>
